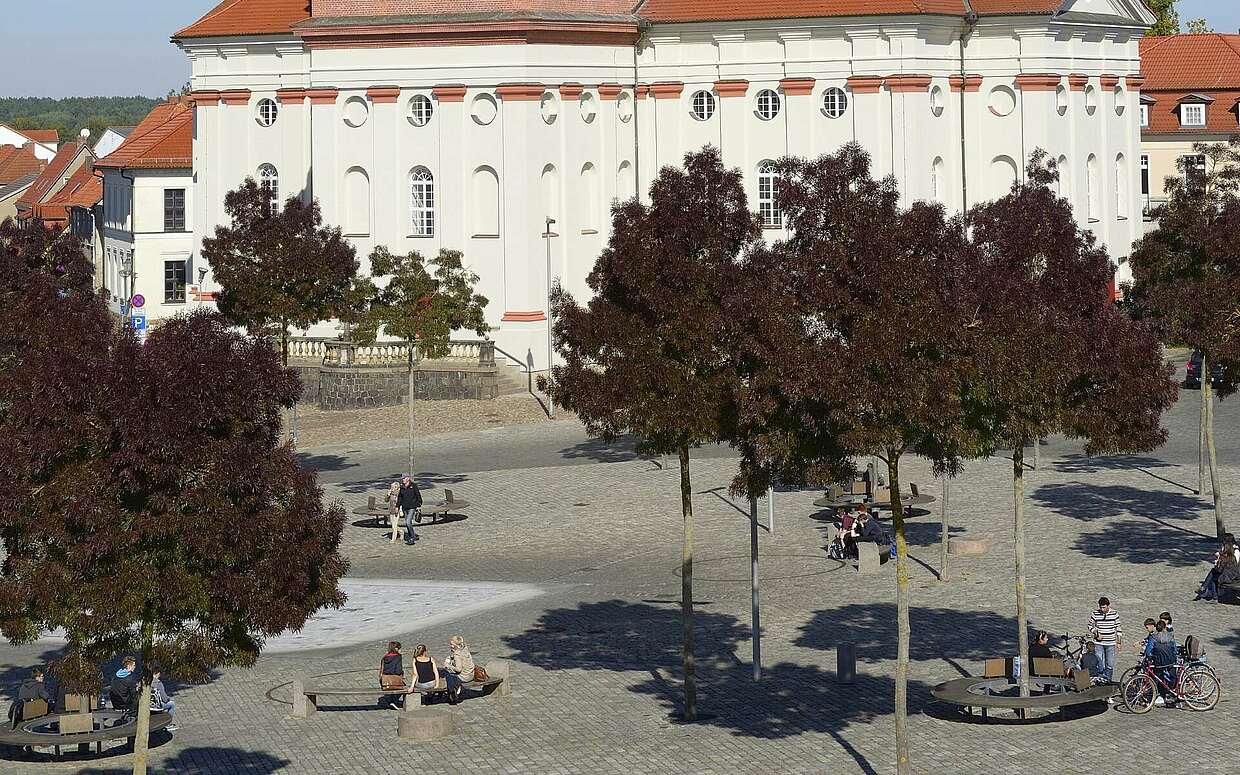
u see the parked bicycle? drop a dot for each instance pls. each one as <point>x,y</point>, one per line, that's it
<point>1196,685</point>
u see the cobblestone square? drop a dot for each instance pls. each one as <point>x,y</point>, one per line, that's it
<point>570,572</point>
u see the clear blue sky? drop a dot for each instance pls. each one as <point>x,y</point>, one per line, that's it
<point>61,48</point>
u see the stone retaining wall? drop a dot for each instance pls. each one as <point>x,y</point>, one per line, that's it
<point>363,387</point>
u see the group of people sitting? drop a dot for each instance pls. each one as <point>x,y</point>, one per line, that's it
<point>855,527</point>
<point>1224,572</point>
<point>428,673</point>
<point>123,692</point>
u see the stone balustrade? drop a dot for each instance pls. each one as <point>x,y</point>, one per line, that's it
<point>396,353</point>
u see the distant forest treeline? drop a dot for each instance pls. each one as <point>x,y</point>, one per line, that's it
<point>70,114</point>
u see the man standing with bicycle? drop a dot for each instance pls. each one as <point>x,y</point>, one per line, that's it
<point>1108,637</point>
<point>1162,653</point>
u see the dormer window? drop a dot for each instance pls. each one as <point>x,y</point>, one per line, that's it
<point>1192,115</point>
<point>1193,109</point>
<point>1145,116</point>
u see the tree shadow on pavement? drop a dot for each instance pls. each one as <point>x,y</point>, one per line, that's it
<point>621,450</point>
<point>1083,464</point>
<point>378,485</point>
<point>790,700</point>
<point>1144,543</point>
<point>936,633</point>
<point>323,462</point>
<point>209,760</point>
<point>1092,502</point>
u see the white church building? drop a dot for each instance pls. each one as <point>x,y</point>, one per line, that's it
<point>428,124</point>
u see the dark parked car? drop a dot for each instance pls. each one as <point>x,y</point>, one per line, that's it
<point>1192,377</point>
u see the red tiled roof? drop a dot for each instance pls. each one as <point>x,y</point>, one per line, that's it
<point>83,189</point>
<point>248,17</point>
<point>164,140</point>
<point>18,162</point>
<point>266,17</point>
<point>1191,62</point>
<point>42,135</point>
<point>1176,66</point>
<point>51,174</point>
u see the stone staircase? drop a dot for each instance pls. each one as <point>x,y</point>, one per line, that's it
<point>512,380</point>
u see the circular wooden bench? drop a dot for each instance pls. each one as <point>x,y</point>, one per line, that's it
<point>985,693</point>
<point>44,731</point>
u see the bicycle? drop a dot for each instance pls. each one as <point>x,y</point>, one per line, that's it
<point>1196,685</point>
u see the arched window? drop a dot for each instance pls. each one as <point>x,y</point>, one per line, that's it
<point>551,192</point>
<point>1093,200</point>
<point>938,180</point>
<point>357,202</point>
<point>768,208</point>
<point>422,202</point>
<point>1002,176</point>
<point>486,203</point>
<point>269,181</point>
<point>589,198</point>
<point>1063,187</point>
<point>1121,186</point>
<point>626,184</point>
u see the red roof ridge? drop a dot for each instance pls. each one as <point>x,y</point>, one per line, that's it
<point>164,139</point>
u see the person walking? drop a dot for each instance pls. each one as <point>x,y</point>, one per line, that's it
<point>1105,628</point>
<point>409,499</point>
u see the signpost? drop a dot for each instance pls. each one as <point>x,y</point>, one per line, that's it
<point>137,322</point>
<point>138,301</point>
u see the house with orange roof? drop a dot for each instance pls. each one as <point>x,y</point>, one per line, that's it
<point>1191,95</point>
<point>11,191</point>
<point>147,222</point>
<point>64,165</point>
<point>483,125</point>
<point>45,141</point>
<point>17,162</point>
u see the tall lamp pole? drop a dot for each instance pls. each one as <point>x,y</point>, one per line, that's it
<point>547,235</point>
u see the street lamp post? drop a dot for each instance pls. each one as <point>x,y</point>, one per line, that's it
<point>547,235</point>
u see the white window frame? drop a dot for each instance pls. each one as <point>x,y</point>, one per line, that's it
<point>768,207</point>
<point>1193,108</point>
<point>421,110</point>
<point>1145,116</point>
<point>835,102</point>
<point>702,105</point>
<point>266,112</point>
<point>421,202</point>
<point>767,104</point>
<point>269,181</point>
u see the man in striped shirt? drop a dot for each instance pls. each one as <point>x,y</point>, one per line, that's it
<point>1108,637</point>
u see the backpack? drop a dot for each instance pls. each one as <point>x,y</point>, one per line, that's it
<point>1192,648</point>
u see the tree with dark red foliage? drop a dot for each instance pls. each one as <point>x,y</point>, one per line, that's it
<point>652,354</point>
<point>1186,279</point>
<point>145,500</point>
<point>279,270</point>
<point>1049,352</point>
<point>862,354</point>
<point>34,249</point>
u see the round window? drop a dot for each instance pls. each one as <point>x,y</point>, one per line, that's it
<point>938,101</point>
<point>483,110</point>
<point>266,112</point>
<point>703,105</point>
<point>1002,101</point>
<point>624,107</point>
<point>420,110</point>
<point>767,105</point>
<point>1061,101</point>
<point>588,107</point>
<point>549,107</point>
<point>834,102</point>
<point>356,111</point>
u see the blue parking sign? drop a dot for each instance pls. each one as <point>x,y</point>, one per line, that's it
<point>137,322</point>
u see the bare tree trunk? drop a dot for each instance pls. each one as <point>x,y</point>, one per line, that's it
<point>686,586</point>
<point>1018,531</point>
<point>142,737</point>
<point>1201,433</point>
<point>409,413</point>
<point>754,602</point>
<point>944,531</point>
<point>902,620</point>
<point>1208,391</point>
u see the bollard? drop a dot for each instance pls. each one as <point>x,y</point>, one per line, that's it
<point>846,663</point>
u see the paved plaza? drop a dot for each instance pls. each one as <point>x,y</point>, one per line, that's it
<point>567,566</point>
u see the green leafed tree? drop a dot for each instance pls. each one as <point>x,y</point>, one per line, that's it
<point>146,503</point>
<point>1199,27</point>
<point>1049,351</point>
<point>1186,277</point>
<point>1167,19</point>
<point>651,354</point>
<point>424,302</point>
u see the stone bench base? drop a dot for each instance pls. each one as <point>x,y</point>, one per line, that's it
<point>968,546</point>
<point>427,725</point>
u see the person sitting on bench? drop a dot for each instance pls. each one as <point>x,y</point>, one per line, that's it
<point>865,530</point>
<point>160,701</point>
<point>426,672</point>
<point>392,674</point>
<point>459,667</point>
<point>32,688</point>
<point>843,524</point>
<point>1226,569</point>
<point>1039,647</point>
<point>123,693</point>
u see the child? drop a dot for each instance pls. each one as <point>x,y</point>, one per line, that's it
<point>1165,616</point>
<point>1149,630</point>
